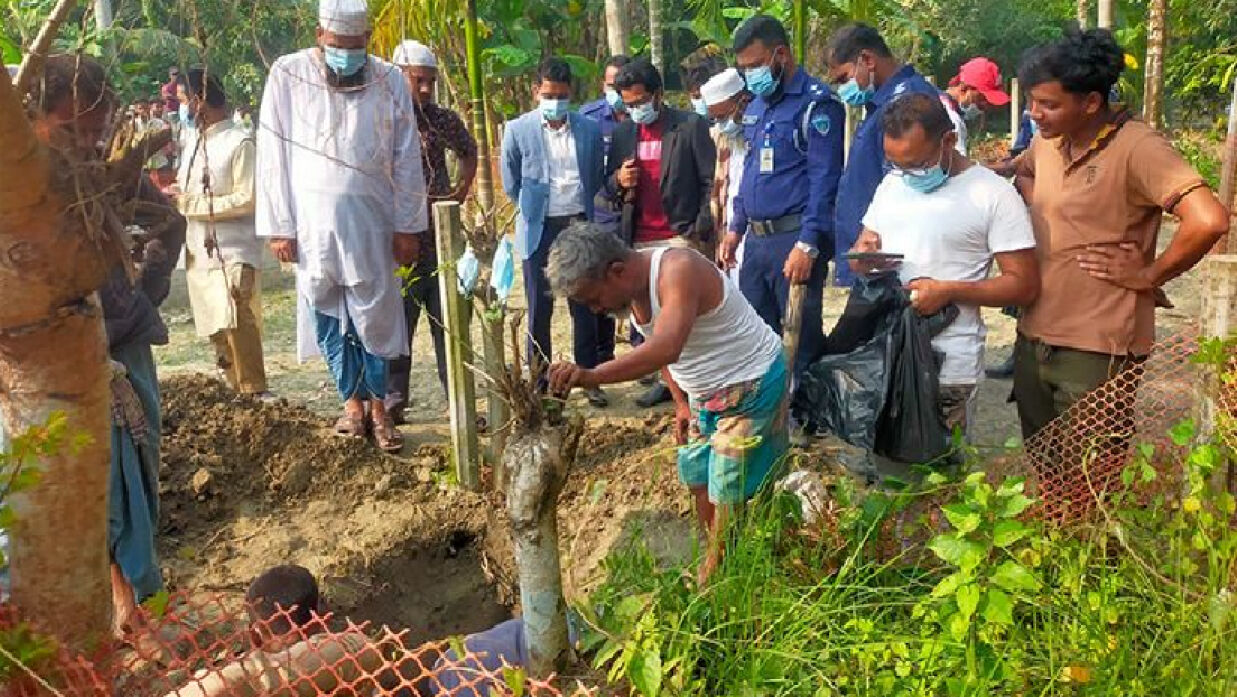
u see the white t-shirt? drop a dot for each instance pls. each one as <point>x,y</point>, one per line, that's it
<point>952,234</point>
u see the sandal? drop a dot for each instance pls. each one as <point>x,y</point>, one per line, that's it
<point>350,426</point>
<point>387,437</point>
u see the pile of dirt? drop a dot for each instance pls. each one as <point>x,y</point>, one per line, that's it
<point>246,485</point>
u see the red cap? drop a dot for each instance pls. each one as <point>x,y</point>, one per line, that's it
<point>983,75</point>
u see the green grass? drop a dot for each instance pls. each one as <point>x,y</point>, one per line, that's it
<point>943,591</point>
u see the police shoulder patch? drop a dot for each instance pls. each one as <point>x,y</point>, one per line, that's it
<point>822,123</point>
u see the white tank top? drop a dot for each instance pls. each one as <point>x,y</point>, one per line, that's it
<point>728,345</point>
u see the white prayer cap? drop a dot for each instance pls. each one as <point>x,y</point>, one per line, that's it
<point>344,17</point>
<point>414,54</point>
<point>722,86</point>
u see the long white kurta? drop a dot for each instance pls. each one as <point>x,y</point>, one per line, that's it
<point>340,172</point>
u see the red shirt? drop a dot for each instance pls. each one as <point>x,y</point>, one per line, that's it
<point>652,225</point>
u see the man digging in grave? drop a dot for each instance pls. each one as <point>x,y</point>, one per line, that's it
<point>722,363</point>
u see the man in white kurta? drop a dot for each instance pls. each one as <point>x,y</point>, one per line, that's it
<point>341,194</point>
<point>223,256</point>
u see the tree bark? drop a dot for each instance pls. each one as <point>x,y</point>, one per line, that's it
<point>1084,13</point>
<point>618,32</point>
<point>53,357</point>
<point>103,14</point>
<point>656,51</point>
<point>538,460</point>
<point>1153,78</point>
<point>1104,14</point>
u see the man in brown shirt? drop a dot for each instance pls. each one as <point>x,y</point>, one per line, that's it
<point>1097,183</point>
<point>441,130</point>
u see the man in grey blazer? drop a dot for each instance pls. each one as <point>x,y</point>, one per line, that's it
<point>552,167</point>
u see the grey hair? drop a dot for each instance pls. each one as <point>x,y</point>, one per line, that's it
<point>582,252</point>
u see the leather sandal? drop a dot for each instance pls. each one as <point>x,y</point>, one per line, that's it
<point>387,437</point>
<point>350,426</point>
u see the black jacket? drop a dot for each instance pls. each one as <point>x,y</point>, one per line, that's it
<point>688,158</point>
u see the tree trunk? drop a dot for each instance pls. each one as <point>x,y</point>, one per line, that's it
<point>538,460</point>
<point>1104,14</point>
<point>1153,79</point>
<point>103,14</point>
<point>53,357</point>
<point>1228,170</point>
<point>656,51</point>
<point>618,32</point>
<point>1084,13</point>
<point>800,30</point>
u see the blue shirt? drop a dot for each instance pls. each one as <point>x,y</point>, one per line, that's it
<point>606,211</point>
<point>867,165</point>
<point>801,130</point>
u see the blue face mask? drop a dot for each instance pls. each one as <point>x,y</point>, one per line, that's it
<point>700,107</point>
<point>643,114</point>
<point>970,112</point>
<point>926,180</point>
<point>851,93</point>
<point>553,109</point>
<point>186,118</point>
<point>615,100</point>
<point>760,80</point>
<point>731,128</point>
<point>345,62</point>
<point>1034,128</point>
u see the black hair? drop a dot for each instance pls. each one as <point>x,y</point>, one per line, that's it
<point>1082,61</point>
<point>903,113</point>
<point>616,62</point>
<point>763,28</point>
<point>845,44</point>
<point>638,72</point>
<point>700,65</point>
<point>283,597</point>
<point>212,92</point>
<point>66,75</point>
<point>554,69</point>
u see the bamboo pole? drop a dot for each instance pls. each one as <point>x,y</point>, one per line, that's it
<point>461,392</point>
<point>497,413</point>
<point>1153,80</point>
<point>800,30</point>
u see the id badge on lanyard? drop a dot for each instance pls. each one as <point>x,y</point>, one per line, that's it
<point>766,151</point>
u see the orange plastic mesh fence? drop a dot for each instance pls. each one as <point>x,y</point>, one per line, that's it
<point>1081,456</point>
<point>207,646</point>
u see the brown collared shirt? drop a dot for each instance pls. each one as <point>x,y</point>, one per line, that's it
<point>1116,191</point>
<point>441,130</point>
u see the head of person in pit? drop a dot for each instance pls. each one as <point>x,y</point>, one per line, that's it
<point>284,607</point>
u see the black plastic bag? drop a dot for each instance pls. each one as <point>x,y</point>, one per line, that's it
<point>912,428</point>
<point>843,393</point>
<point>872,299</point>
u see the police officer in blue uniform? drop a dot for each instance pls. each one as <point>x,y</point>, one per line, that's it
<point>865,73</point>
<point>608,111</point>
<point>786,196</point>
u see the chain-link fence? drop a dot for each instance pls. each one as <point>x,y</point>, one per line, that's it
<point>1088,451</point>
<point>208,646</point>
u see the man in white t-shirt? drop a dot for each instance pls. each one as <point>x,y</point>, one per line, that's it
<point>949,218</point>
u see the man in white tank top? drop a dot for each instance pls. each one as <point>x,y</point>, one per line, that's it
<point>722,363</point>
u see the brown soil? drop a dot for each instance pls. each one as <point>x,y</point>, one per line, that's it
<point>247,485</point>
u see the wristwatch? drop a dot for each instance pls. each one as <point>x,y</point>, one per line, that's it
<point>808,249</point>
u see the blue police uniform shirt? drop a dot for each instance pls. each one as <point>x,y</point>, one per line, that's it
<point>867,165</point>
<point>794,160</point>
<point>599,110</point>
